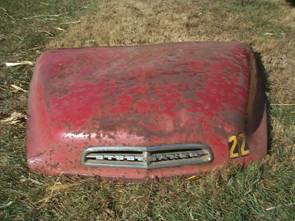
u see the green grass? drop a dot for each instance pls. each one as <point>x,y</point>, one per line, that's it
<point>263,191</point>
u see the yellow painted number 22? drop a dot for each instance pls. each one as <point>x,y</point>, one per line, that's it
<point>238,146</point>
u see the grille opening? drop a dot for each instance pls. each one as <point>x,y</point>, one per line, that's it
<point>175,151</point>
<point>147,157</point>
<point>119,152</point>
<point>115,156</point>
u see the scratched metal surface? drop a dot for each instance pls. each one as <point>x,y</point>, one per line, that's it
<point>143,96</point>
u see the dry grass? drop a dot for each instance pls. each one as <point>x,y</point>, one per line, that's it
<point>263,191</point>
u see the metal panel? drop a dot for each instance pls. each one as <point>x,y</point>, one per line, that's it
<point>142,96</point>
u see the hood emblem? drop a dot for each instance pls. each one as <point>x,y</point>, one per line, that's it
<point>147,157</point>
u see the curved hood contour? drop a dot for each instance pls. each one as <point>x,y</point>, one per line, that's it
<point>102,111</point>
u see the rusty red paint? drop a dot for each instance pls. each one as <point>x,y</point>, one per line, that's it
<point>143,96</point>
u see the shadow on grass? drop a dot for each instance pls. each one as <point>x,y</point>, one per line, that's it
<point>291,2</point>
<point>266,88</point>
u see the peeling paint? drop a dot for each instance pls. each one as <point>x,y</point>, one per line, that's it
<point>152,95</point>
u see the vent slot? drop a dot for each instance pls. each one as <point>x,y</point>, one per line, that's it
<point>147,157</point>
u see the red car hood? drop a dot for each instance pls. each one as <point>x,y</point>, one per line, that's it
<point>166,94</point>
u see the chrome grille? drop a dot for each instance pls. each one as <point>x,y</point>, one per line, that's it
<point>147,157</point>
